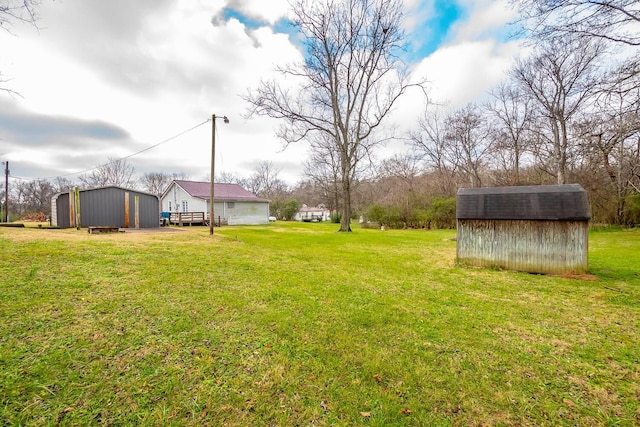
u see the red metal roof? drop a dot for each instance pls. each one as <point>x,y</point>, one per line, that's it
<point>227,192</point>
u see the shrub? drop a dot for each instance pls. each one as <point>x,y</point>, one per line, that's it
<point>441,212</point>
<point>389,216</point>
<point>632,211</point>
<point>290,209</point>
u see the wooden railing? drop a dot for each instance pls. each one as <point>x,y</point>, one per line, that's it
<point>188,218</point>
<point>194,218</point>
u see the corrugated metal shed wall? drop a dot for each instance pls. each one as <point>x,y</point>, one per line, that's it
<point>106,207</point>
<point>149,210</point>
<point>532,246</point>
<point>102,206</point>
<point>62,211</point>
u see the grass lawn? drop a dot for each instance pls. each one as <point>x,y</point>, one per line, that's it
<point>295,324</point>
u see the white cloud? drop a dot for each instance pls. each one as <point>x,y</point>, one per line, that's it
<point>418,11</point>
<point>485,19</point>
<point>464,72</point>
<point>467,66</point>
<point>157,75</point>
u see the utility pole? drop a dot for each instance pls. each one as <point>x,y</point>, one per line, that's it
<point>213,162</point>
<point>6,191</point>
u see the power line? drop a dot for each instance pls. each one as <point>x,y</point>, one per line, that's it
<point>162,142</point>
<point>126,157</point>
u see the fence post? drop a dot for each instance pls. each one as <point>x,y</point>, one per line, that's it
<point>76,197</point>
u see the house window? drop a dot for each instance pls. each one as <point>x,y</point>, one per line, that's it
<point>231,205</point>
<point>185,206</point>
<point>169,205</point>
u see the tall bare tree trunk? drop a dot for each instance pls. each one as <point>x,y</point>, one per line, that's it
<point>345,221</point>
<point>350,79</point>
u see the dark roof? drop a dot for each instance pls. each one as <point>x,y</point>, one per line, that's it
<point>541,202</point>
<point>226,192</point>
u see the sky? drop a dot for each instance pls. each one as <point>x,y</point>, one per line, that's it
<point>100,80</point>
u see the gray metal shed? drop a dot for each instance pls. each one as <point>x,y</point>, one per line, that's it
<point>105,207</point>
<point>540,229</point>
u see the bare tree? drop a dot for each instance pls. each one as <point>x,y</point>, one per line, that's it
<point>611,20</point>
<point>454,145</point>
<point>62,184</point>
<point>232,178</point>
<point>12,11</point>
<point>311,193</point>
<point>116,172</point>
<point>560,78</point>
<point>348,83</point>
<point>609,137</point>
<point>156,182</point>
<point>18,11</point>
<point>430,144</point>
<point>399,175</point>
<point>511,111</point>
<point>612,23</point>
<point>468,142</point>
<point>323,168</point>
<point>404,167</point>
<point>265,181</point>
<point>34,196</point>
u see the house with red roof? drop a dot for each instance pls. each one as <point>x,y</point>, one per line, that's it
<point>233,204</point>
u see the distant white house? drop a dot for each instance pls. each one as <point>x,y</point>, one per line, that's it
<point>308,214</point>
<point>233,204</point>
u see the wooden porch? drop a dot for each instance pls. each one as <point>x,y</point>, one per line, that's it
<point>193,218</point>
<point>188,218</point>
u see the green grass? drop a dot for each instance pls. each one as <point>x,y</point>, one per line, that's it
<point>295,324</point>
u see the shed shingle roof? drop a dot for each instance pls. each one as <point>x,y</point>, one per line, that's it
<point>540,202</point>
<point>227,192</point>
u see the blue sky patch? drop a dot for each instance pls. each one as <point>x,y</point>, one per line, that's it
<point>430,35</point>
<point>285,26</point>
<point>253,24</point>
<point>426,38</point>
<point>282,26</point>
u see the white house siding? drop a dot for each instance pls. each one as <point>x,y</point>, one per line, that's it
<point>176,196</point>
<point>247,213</point>
<point>242,213</point>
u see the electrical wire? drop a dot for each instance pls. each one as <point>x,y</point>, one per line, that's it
<point>125,157</point>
